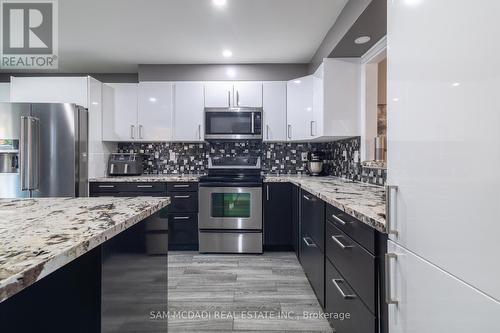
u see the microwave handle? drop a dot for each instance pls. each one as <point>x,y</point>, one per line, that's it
<point>253,122</point>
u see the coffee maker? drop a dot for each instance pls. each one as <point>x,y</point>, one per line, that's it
<point>315,161</point>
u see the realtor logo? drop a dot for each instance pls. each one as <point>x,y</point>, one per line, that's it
<point>29,34</point>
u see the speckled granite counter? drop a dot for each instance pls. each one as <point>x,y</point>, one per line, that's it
<point>38,236</point>
<point>363,201</point>
<point>148,178</point>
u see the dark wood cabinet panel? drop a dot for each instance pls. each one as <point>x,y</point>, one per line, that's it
<point>313,263</point>
<point>182,187</point>
<point>342,299</point>
<point>312,220</point>
<point>277,216</point>
<point>183,202</point>
<point>295,210</point>
<point>183,231</point>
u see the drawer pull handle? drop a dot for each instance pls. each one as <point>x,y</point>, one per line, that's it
<point>181,186</point>
<point>342,293</point>
<point>181,217</point>
<point>182,196</point>
<point>336,240</point>
<point>306,197</point>
<point>106,186</point>
<point>144,186</point>
<point>309,242</point>
<point>339,220</point>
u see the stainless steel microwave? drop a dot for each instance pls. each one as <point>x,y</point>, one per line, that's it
<point>233,123</point>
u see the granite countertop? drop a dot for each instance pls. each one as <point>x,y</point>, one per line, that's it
<point>364,201</point>
<point>147,178</point>
<point>38,236</point>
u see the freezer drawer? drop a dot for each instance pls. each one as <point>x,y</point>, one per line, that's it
<point>231,242</point>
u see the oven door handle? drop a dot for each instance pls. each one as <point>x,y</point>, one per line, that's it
<point>221,184</point>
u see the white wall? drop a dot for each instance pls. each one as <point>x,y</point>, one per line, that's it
<point>5,92</point>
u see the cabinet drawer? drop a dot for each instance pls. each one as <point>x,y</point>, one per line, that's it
<point>355,263</point>
<point>340,298</point>
<point>105,187</point>
<point>357,230</point>
<point>183,202</point>
<point>182,230</point>
<point>313,218</point>
<point>313,263</point>
<point>128,187</point>
<point>182,187</point>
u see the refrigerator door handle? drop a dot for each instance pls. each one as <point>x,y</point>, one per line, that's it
<point>29,152</point>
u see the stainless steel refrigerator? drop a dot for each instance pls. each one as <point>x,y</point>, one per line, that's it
<point>43,150</point>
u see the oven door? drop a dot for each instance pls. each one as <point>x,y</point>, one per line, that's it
<point>233,208</point>
<point>233,124</point>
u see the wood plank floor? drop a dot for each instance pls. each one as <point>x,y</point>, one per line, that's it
<point>240,293</point>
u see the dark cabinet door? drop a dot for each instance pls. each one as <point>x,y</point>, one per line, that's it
<point>313,263</point>
<point>277,216</point>
<point>295,209</point>
<point>312,219</point>
<point>183,231</point>
<point>183,202</point>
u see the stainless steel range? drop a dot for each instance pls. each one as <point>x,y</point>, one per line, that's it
<point>230,211</point>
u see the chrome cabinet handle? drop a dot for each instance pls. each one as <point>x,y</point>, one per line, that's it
<point>199,132</point>
<point>144,186</point>
<point>308,242</point>
<point>106,186</point>
<point>388,296</point>
<point>388,209</point>
<point>181,217</point>
<point>311,127</point>
<point>306,197</point>
<point>336,240</point>
<point>140,131</point>
<point>237,98</point>
<point>181,185</point>
<point>289,131</point>
<point>267,132</point>
<point>182,196</point>
<point>267,192</point>
<point>342,293</point>
<point>228,98</point>
<point>132,130</point>
<point>339,220</point>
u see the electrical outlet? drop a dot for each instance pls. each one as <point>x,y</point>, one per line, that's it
<point>356,156</point>
<point>303,156</point>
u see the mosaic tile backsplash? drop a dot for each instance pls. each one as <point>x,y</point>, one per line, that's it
<point>342,157</point>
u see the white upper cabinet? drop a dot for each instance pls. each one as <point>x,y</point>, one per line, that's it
<point>4,92</point>
<point>225,94</point>
<point>274,104</point>
<point>218,94</point>
<point>188,112</point>
<point>443,123</point>
<point>50,90</point>
<point>325,105</point>
<point>247,94</point>
<point>155,111</point>
<point>300,108</point>
<point>120,112</point>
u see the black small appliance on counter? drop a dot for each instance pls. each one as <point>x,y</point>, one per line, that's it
<point>125,164</point>
<point>315,161</point>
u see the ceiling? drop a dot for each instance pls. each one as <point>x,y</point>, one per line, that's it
<point>109,36</point>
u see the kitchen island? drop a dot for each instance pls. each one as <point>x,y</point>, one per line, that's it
<point>68,264</point>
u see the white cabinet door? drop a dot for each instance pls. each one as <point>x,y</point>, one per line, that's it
<point>188,112</point>
<point>50,90</point>
<point>443,125</point>
<point>120,112</point>
<point>218,94</point>
<point>318,104</point>
<point>432,301</point>
<point>299,108</point>
<point>248,94</point>
<point>274,106</point>
<point>155,111</point>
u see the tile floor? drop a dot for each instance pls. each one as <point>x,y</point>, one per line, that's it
<point>240,293</point>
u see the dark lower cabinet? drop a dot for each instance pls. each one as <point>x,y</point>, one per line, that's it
<point>312,218</point>
<point>277,216</point>
<point>348,313</point>
<point>313,263</point>
<point>183,231</point>
<point>295,209</point>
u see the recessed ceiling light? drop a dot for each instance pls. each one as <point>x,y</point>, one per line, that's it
<point>395,99</point>
<point>231,72</point>
<point>412,3</point>
<point>152,99</point>
<point>227,53</point>
<point>219,3</point>
<point>297,81</point>
<point>455,84</point>
<point>362,40</point>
